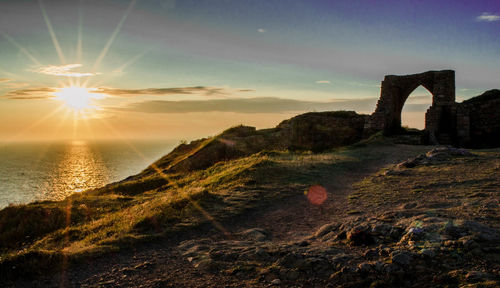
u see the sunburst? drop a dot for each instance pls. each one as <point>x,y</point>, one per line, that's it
<point>78,98</point>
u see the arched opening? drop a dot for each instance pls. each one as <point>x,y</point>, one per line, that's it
<point>414,108</point>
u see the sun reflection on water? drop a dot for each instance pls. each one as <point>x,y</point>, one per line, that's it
<point>80,169</point>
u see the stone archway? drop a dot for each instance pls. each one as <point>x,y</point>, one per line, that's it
<point>440,118</point>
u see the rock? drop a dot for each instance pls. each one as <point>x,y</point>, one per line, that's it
<point>341,236</point>
<point>385,251</point>
<point>396,232</point>
<point>452,230</point>
<point>317,264</point>
<point>207,265</point>
<point>347,270</point>
<point>401,258</point>
<point>290,260</point>
<point>276,281</point>
<point>381,229</point>
<point>487,237</point>
<point>449,243</point>
<point>292,275</point>
<point>428,253</point>
<point>364,268</point>
<point>477,252</point>
<point>185,245</point>
<point>255,234</point>
<point>409,206</point>
<point>261,254</point>
<point>360,236</point>
<point>378,266</point>
<point>482,232</point>
<point>195,251</point>
<point>378,284</point>
<point>469,244</point>
<point>341,260</point>
<point>303,243</point>
<point>327,228</point>
<point>372,253</point>
<point>415,234</point>
<point>410,163</point>
<point>391,268</point>
<point>476,276</point>
<point>446,152</point>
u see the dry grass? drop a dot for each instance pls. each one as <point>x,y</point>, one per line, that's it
<point>152,205</point>
<point>460,187</point>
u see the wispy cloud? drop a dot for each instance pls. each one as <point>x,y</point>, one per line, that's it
<point>249,105</point>
<point>63,70</point>
<point>488,17</point>
<point>204,90</point>
<point>31,93</point>
<point>3,80</point>
<point>261,30</point>
<point>323,82</point>
<point>47,92</point>
<point>14,85</point>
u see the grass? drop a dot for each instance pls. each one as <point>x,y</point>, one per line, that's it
<point>460,187</point>
<point>139,209</point>
<point>37,236</point>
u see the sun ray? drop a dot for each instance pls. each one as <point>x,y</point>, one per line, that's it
<point>52,33</point>
<point>21,48</point>
<point>54,133</point>
<point>89,130</point>
<point>79,35</point>
<point>10,74</point>
<point>35,124</point>
<point>78,98</point>
<point>113,36</point>
<point>75,125</point>
<point>207,215</point>
<point>133,59</point>
<point>121,68</point>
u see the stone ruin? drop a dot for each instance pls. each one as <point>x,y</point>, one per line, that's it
<point>475,122</point>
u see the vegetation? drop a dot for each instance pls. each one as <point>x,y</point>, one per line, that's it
<point>160,203</point>
<point>154,205</point>
<point>468,184</point>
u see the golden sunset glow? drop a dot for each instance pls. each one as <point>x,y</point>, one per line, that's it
<point>78,98</point>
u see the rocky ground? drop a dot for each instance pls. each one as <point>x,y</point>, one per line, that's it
<point>355,238</point>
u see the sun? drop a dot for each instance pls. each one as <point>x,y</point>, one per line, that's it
<point>78,98</point>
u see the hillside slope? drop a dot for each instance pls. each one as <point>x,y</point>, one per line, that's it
<point>247,216</point>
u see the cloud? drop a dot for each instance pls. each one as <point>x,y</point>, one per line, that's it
<point>261,30</point>
<point>47,92</point>
<point>12,84</point>
<point>323,82</point>
<point>204,90</point>
<point>249,105</point>
<point>63,70</point>
<point>488,17</point>
<point>31,93</point>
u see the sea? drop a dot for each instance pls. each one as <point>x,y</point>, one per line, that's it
<point>31,171</point>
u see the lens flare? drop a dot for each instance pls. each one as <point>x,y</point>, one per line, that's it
<point>317,194</point>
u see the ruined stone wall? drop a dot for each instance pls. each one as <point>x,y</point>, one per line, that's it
<point>475,122</point>
<point>478,121</point>
<point>395,91</point>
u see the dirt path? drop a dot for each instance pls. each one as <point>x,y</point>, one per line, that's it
<point>296,218</point>
<point>160,264</point>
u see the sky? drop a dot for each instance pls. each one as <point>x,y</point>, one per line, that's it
<point>150,69</point>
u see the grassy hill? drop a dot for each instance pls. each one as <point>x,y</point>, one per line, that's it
<point>434,218</point>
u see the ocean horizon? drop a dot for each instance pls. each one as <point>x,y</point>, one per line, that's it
<point>52,170</point>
